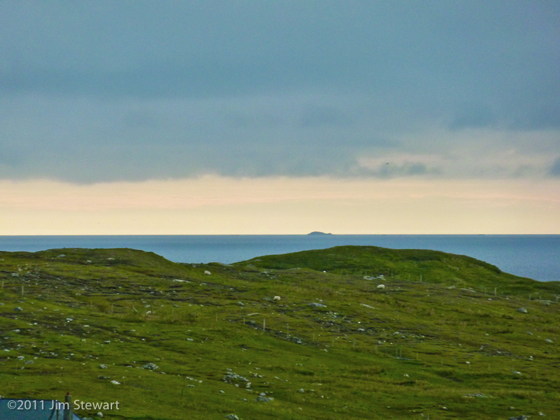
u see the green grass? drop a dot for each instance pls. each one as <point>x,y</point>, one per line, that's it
<point>443,338</point>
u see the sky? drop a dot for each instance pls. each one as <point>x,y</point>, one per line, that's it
<point>279,117</point>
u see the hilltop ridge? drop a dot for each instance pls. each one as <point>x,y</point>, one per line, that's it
<point>346,332</point>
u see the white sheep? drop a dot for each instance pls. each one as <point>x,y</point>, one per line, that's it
<point>276,298</point>
<point>381,286</point>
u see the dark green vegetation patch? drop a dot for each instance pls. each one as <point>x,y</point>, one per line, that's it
<point>341,333</point>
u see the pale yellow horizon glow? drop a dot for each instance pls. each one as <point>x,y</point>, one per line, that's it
<point>281,205</point>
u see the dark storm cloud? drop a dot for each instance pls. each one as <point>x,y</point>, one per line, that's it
<point>323,115</point>
<point>555,168</point>
<point>108,90</point>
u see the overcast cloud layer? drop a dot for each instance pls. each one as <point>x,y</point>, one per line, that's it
<point>134,90</point>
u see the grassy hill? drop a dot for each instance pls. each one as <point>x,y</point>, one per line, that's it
<point>445,337</point>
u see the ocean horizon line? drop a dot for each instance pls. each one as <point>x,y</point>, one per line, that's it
<point>284,234</point>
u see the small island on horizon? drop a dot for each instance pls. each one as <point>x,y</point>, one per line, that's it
<point>316,232</point>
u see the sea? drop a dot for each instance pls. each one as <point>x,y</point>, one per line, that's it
<point>532,256</point>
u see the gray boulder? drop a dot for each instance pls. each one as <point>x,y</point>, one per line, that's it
<point>151,366</point>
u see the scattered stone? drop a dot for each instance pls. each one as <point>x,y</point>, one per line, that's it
<point>260,398</point>
<point>150,366</point>
<point>317,305</point>
<point>522,310</point>
<point>115,382</point>
<point>18,309</point>
<point>232,377</point>
<point>301,390</point>
<point>232,417</point>
<point>103,366</point>
<point>548,340</point>
<point>522,417</point>
<point>478,395</point>
<point>100,414</point>
<point>381,276</point>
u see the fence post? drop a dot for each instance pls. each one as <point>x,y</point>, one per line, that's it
<point>68,407</point>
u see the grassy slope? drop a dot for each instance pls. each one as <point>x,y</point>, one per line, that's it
<point>392,353</point>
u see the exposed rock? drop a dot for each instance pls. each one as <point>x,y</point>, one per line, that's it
<point>150,366</point>
<point>296,340</point>
<point>232,417</point>
<point>18,308</point>
<point>522,417</point>
<point>479,395</point>
<point>522,310</point>
<point>232,377</point>
<point>317,305</point>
